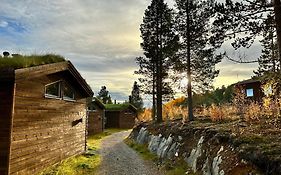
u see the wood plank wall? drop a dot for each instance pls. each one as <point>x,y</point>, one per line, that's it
<point>43,132</point>
<point>112,119</point>
<point>6,104</point>
<point>127,119</point>
<point>95,121</point>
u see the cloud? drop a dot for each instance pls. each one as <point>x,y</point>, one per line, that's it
<point>3,23</point>
<point>101,38</point>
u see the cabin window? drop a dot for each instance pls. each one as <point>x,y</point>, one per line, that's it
<point>53,90</point>
<point>128,112</point>
<point>68,93</point>
<point>250,92</point>
<point>59,90</point>
<point>91,108</point>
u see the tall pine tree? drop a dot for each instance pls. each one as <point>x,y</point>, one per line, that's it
<point>159,44</point>
<point>196,57</point>
<point>135,98</point>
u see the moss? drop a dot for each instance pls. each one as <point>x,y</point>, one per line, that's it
<point>250,139</point>
<point>20,61</point>
<point>141,149</point>
<point>116,107</point>
<point>177,167</point>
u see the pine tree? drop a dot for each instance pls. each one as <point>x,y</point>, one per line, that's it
<point>268,61</point>
<point>196,56</point>
<point>148,86</point>
<point>245,21</point>
<point>159,44</point>
<point>135,98</point>
<point>103,95</point>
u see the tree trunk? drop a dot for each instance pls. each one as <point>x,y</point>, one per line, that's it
<point>189,90</point>
<point>153,95</point>
<point>277,13</point>
<point>159,92</point>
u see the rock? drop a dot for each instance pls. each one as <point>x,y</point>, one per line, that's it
<point>154,143</point>
<point>216,162</point>
<point>195,153</point>
<point>143,136</point>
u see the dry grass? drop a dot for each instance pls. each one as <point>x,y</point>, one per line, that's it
<point>240,109</point>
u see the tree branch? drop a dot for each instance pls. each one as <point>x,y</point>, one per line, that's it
<point>240,61</point>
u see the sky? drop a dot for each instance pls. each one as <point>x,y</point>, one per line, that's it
<point>100,37</point>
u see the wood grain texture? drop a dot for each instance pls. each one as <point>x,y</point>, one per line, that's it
<point>43,132</point>
<point>95,121</point>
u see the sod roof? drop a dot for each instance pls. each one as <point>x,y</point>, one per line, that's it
<point>20,61</point>
<point>119,107</point>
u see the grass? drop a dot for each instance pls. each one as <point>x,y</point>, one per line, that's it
<point>21,61</point>
<point>86,164</point>
<point>141,149</point>
<point>178,167</point>
<point>113,107</point>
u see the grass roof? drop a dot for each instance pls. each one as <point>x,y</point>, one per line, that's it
<point>20,61</point>
<point>116,107</point>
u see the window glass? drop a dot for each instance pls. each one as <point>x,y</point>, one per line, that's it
<point>68,93</point>
<point>91,108</point>
<point>250,92</point>
<point>53,89</point>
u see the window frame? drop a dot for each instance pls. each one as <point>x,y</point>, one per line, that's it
<point>247,92</point>
<point>91,110</point>
<point>46,95</point>
<point>61,96</point>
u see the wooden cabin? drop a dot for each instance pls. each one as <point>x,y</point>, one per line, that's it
<point>251,88</point>
<point>42,116</point>
<point>120,115</point>
<point>96,116</point>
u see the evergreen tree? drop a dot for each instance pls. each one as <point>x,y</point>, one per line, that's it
<point>245,21</point>
<point>148,85</point>
<point>135,98</point>
<point>103,95</point>
<point>268,61</point>
<point>159,44</point>
<point>196,56</point>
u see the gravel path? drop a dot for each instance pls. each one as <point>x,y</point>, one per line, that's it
<point>119,159</point>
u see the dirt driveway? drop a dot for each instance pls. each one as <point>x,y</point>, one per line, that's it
<point>119,159</point>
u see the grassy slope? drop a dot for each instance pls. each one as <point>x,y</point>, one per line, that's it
<point>86,164</point>
<point>29,61</point>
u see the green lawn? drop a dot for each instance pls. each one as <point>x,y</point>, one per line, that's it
<point>86,164</point>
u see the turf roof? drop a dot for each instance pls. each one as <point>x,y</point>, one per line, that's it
<point>20,61</point>
<point>116,107</point>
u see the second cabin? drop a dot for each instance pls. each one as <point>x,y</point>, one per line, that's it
<point>120,115</point>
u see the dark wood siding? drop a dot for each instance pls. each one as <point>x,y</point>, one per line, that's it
<point>45,131</point>
<point>127,119</point>
<point>112,119</point>
<point>120,119</point>
<point>95,121</point>
<point>6,108</point>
